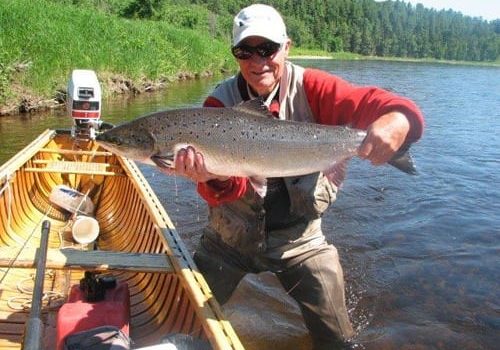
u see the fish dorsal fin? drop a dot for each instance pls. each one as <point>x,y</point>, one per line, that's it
<point>254,107</point>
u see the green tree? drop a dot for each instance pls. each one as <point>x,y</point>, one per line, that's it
<point>389,28</point>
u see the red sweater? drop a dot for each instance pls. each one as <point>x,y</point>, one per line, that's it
<point>333,101</point>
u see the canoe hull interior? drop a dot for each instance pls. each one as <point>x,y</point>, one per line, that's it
<point>167,295</point>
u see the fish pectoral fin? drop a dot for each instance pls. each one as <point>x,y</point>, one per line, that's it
<point>337,172</point>
<point>163,161</point>
<point>259,185</point>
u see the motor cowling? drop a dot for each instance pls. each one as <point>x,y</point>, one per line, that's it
<point>84,103</point>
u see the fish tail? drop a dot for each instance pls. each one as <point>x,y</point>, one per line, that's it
<point>403,161</point>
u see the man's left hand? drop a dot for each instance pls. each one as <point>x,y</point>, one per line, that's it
<point>384,138</point>
<point>190,163</point>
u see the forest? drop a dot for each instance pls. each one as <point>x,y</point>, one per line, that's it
<point>366,27</point>
<point>144,44</point>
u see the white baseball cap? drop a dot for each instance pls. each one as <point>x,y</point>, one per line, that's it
<point>259,20</point>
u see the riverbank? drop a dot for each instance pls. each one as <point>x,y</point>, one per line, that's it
<point>42,42</point>
<point>298,53</point>
<point>25,101</point>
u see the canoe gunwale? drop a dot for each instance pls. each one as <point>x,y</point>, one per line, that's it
<point>183,263</point>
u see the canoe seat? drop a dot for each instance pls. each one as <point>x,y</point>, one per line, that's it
<point>87,260</point>
<point>72,167</point>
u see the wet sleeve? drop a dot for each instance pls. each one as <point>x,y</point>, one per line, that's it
<point>217,192</point>
<point>211,101</point>
<point>334,101</point>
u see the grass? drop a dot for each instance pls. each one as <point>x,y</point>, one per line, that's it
<point>49,40</point>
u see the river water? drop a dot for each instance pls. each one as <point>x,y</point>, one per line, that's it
<point>420,253</point>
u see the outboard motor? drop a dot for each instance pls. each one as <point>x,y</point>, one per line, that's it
<point>84,104</point>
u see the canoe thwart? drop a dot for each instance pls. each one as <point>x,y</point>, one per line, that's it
<point>88,260</point>
<point>75,152</point>
<point>72,167</point>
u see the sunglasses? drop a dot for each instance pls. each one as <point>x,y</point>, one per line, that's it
<point>266,49</point>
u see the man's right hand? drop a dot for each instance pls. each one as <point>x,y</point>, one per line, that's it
<point>190,164</point>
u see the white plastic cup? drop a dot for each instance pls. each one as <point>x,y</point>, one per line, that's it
<point>85,229</point>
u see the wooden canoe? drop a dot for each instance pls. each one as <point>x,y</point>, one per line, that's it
<point>137,244</point>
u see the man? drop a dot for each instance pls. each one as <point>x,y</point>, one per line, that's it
<point>282,232</point>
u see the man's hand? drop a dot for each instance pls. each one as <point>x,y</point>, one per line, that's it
<point>191,164</point>
<point>384,138</point>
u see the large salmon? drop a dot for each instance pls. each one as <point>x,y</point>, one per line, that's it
<point>241,141</point>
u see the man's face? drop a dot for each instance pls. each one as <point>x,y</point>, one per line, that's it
<point>263,73</point>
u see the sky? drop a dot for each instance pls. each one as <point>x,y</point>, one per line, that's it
<point>488,9</point>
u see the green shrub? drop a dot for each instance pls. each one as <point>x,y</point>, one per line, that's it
<point>5,73</point>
